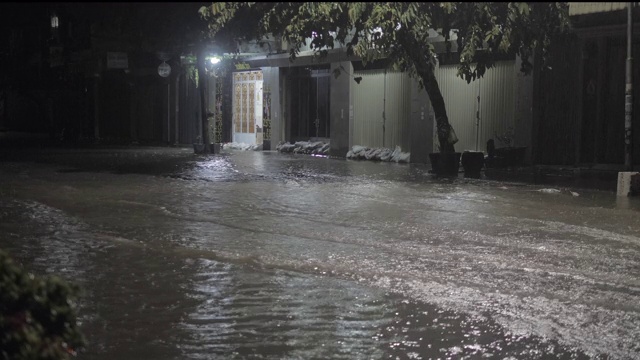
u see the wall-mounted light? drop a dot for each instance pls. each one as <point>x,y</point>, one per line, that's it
<point>214,60</point>
<point>54,21</point>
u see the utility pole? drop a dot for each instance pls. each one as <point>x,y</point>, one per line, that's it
<point>203,98</point>
<point>628,95</point>
<point>177,122</point>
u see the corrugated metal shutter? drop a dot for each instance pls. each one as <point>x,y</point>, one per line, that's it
<point>581,8</point>
<point>379,93</point>
<point>461,103</point>
<point>497,104</point>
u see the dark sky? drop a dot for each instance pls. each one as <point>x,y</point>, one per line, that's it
<point>158,14</point>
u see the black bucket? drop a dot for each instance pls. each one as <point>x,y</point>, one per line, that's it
<point>445,163</point>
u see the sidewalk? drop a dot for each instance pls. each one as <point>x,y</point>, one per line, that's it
<point>600,177</point>
<point>20,140</point>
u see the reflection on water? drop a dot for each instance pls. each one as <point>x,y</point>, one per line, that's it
<point>263,255</point>
<point>285,315</point>
<point>243,313</point>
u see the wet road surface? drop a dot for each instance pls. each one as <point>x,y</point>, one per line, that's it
<point>267,255</point>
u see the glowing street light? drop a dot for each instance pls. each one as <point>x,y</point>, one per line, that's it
<point>54,21</point>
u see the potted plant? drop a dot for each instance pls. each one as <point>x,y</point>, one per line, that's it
<point>198,146</point>
<point>508,155</point>
<point>472,162</point>
<point>446,163</point>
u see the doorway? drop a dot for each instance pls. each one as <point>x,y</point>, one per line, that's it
<point>310,103</point>
<point>247,107</point>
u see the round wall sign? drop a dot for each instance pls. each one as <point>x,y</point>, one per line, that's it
<point>164,69</point>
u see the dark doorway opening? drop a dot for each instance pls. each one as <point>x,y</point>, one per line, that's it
<point>310,103</point>
<point>603,101</point>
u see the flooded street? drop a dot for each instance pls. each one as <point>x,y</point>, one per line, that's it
<point>266,255</point>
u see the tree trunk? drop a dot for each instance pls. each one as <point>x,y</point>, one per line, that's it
<point>203,99</point>
<point>444,129</point>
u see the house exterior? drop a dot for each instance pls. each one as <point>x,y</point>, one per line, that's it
<point>384,109</point>
<point>569,112</point>
<point>579,97</point>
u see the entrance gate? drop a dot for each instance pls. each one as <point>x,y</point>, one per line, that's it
<point>247,107</point>
<point>310,104</point>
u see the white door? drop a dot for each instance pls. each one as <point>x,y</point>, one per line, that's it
<point>247,107</point>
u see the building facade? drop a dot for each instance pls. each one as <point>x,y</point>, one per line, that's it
<point>383,108</point>
<point>579,96</point>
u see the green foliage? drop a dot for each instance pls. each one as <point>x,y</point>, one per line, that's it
<point>222,69</point>
<point>37,315</point>
<point>399,30</point>
<point>192,73</point>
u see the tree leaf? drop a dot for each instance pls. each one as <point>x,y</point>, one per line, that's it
<point>523,7</point>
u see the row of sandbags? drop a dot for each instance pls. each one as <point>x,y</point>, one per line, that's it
<point>304,147</point>
<point>358,152</point>
<point>242,146</point>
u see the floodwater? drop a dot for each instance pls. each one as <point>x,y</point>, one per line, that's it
<point>261,255</point>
